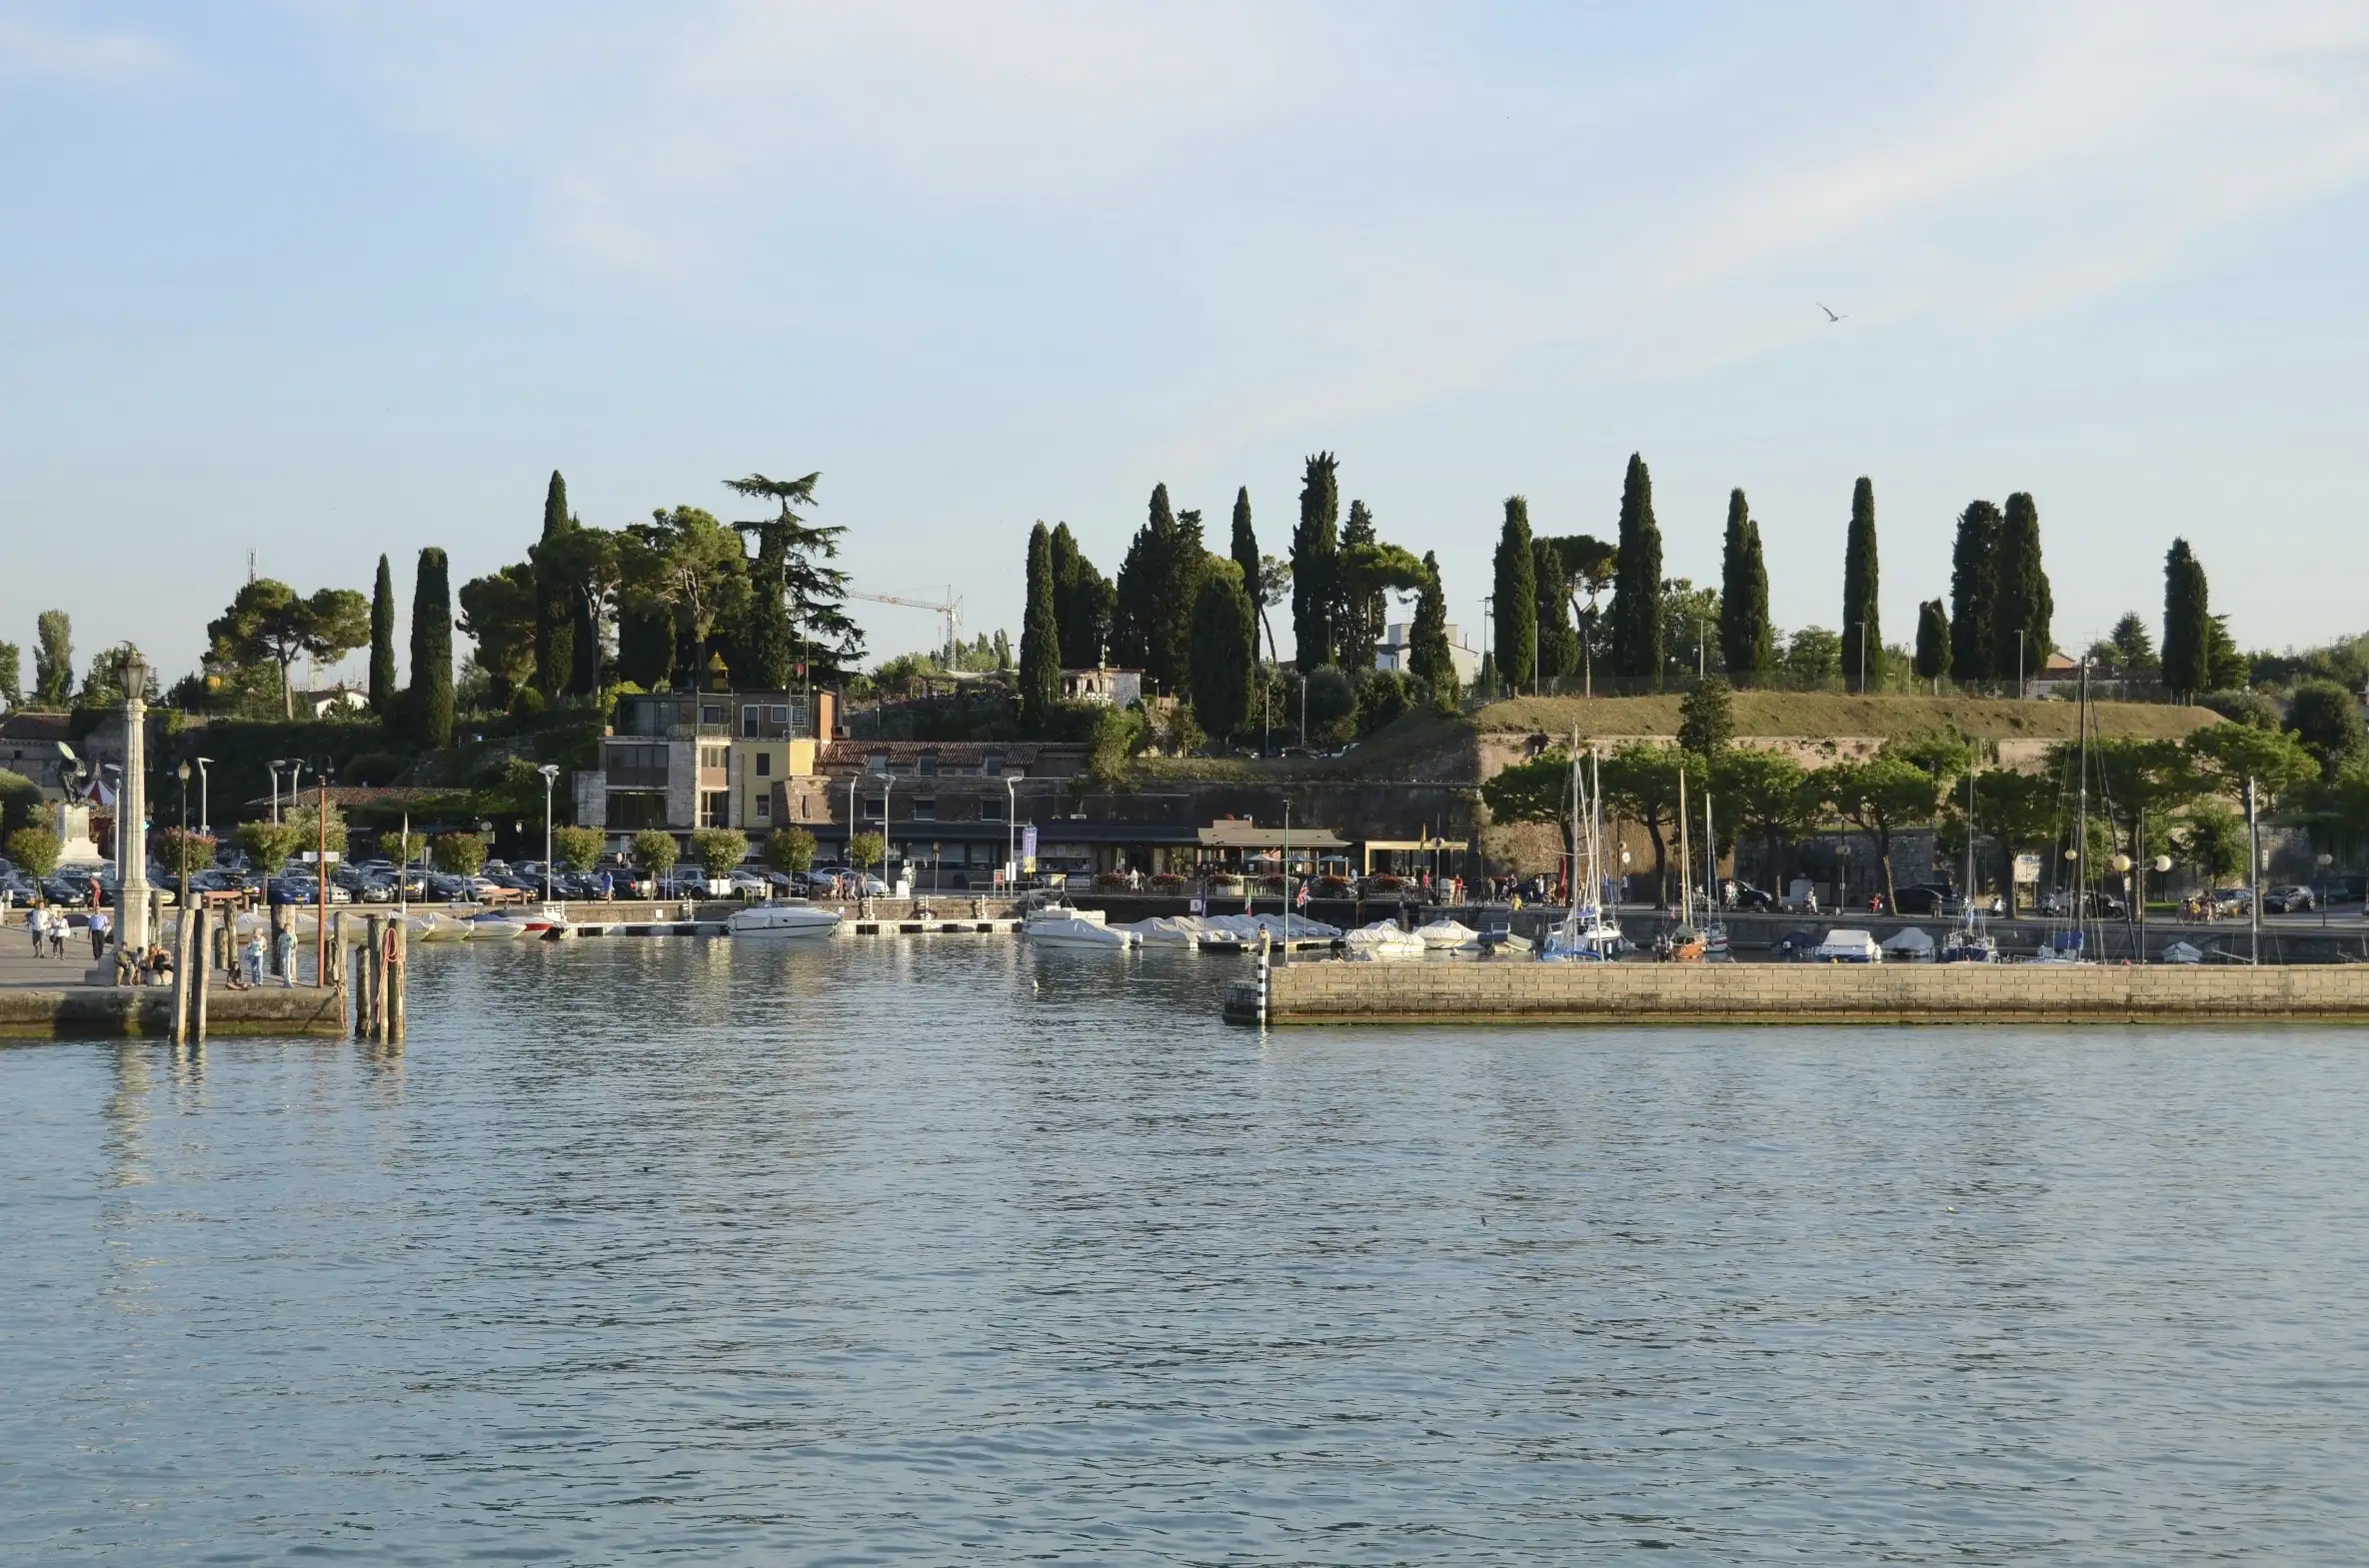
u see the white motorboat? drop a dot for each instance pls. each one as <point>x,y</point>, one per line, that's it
<point>1446,935</point>
<point>1847,945</point>
<point>496,925</point>
<point>1079,929</point>
<point>782,919</point>
<point>1168,930</point>
<point>1384,942</point>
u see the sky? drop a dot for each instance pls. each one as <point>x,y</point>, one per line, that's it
<point>320,279</point>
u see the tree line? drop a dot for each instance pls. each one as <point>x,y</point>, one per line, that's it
<point>2148,796</point>
<point>1198,625</point>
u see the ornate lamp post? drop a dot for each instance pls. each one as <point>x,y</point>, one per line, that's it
<point>131,810</point>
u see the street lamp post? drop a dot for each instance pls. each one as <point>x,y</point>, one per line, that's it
<point>204,811</point>
<point>550,774</point>
<point>1012,830</point>
<point>273,767</point>
<point>181,855</point>
<point>2325,861</point>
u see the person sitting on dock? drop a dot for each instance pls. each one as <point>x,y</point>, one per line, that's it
<point>159,964</point>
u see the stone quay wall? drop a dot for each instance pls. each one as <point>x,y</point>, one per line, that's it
<point>1526,992</point>
<point>114,1012</point>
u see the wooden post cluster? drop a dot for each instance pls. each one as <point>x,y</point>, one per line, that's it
<point>378,989</point>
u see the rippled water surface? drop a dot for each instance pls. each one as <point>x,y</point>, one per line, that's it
<point>963,1253</point>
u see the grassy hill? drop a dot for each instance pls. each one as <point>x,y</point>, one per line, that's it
<point>1818,714</point>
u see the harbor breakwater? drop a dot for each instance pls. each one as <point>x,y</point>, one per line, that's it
<point>1516,992</point>
<point>107,1011</point>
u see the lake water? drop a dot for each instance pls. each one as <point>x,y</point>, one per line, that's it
<point>961,1252</point>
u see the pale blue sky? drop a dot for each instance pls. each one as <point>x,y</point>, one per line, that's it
<point>324,278</point>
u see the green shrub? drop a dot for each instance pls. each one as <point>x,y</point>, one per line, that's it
<point>718,850</point>
<point>578,848</point>
<point>35,851</point>
<point>790,849</point>
<point>463,854</point>
<point>655,852</point>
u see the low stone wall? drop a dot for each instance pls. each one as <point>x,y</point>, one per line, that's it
<point>107,1012</point>
<point>1525,991</point>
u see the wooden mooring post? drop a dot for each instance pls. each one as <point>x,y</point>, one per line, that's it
<point>181,955</point>
<point>203,978</point>
<point>398,967</point>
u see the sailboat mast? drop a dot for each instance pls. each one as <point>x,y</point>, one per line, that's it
<point>2081,818</point>
<point>1685,856</point>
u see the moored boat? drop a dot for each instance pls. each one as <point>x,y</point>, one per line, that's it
<point>784,918</point>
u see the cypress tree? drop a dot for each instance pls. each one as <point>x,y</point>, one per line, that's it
<point>1932,641</point>
<point>1746,640</point>
<point>1636,583</point>
<point>382,641</point>
<point>1430,657</point>
<point>1316,546</point>
<point>1356,618</point>
<point>1517,601</point>
<point>1082,600</point>
<point>1225,652</point>
<point>1558,643</point>
<point>1862,628</point>
<point>1973,588</point>
<point>2187,622</point>
<point>1246,554</point>
<point>2022,602</point>
<point>555,621</point>
<point>430,705</point>
<point>1040,639</point>
<point>1153,626</point>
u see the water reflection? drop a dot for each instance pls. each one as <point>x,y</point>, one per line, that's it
<point>961,1250</point>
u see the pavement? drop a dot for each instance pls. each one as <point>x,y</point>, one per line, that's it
<point>19,969</point>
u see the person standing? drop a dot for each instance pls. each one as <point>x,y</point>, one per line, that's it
<point>37,926</point>
<point>252,955</point>
<point>57,934</point>
<point>101,923</point>
<point>284,954</point>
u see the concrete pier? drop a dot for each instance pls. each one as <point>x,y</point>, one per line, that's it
<point>108,1011</point>
<point>1518,992</point>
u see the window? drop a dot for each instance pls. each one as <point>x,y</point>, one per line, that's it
<point>630,812</point>
<point>710,714</point>
<point>927,766</point>
<point>877,763</point>
<point>637,767</point>
<point>991,765</point>
<point>765,808</point>
<point>778,715</point>
<point>990,807</point>
<point>748,721</point>
<point>765,767</point>
<point>715,808</point>
<point>924,810</point>
<point>876,807</point>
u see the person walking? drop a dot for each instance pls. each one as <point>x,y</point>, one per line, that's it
<point>57,934</point>
<point>284,954</point>
<point>101,923</point>
<point>37,927</point>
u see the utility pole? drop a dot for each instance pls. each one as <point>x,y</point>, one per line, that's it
<point>2253,874</point>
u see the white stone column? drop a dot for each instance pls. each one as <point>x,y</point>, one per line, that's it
<point>131,833</point>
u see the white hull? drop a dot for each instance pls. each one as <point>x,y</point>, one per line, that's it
<point>1068,931</point>
<point>781,922</point>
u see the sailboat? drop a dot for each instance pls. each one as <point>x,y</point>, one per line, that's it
<point>1584,935</point>
<point>1714,931</point>
<point>1970,943</point>
<point>1685,944</point>
<point>2071,946</point>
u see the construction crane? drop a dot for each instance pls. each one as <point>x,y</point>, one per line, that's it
<point>950,611</point>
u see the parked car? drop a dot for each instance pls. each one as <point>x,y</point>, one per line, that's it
<point>1749,897</point>
<point>1925,899</point>
<point>2232,901</point>
<point>2095,904</point>
<point>2293,899</point>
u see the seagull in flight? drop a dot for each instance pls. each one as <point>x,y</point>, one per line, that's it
<point>1831,318</point>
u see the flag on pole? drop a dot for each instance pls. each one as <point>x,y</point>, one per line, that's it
<point>1301,900</point>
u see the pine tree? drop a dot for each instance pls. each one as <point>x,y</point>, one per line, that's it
<point>1558,643</point>
<point>1932,641</point>
<point>1357,615</point>
<point>1973,591</point>
<point>1637,586</point>
<point>1314,546</point>
<point>1224,655</point>
<point>1040,639</point>
<point>555,619</point>
<point>429,707</point>
<point>1863,629</point>
<point>1746,640</point>
<point>2021,602</point>
<point>1245,550</point>
<point>2187,622</point>
<point>1517,598</point>
<point>1430,657</point>
<point>382,641</point>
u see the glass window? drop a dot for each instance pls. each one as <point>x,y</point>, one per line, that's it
<point>925,810</point>
<point>927,766</point>
<point>749,723</point>
<point>710,713</point>
<point>990,807</point>
<point>876,806</point>
<point>991,765</point>
<point>778,715</point>
<point>765,808</point>
<point>715,808</point>
<point>764,770</point>
<point>877,763</point>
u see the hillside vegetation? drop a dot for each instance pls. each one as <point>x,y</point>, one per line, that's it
<point>1818,714</point>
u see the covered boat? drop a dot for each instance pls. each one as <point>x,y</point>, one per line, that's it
<point>1909,945</point>
<point>1446,935</point>
<point>1846,944</point>
<point>782,919</point>
<point>1383,942</point>
<point>1077,928</point>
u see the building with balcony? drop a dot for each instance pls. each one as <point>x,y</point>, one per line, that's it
<point>682,760</point>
